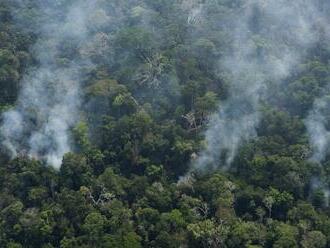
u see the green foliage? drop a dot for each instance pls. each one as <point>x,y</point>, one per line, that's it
<point>75,172</point>
<point>148,99</point>
<point>314,239</point>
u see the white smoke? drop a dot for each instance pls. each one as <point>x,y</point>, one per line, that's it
<point>319,185</point>
<point>270,37</point>
<point>50,97</point>
<point>316,123</point>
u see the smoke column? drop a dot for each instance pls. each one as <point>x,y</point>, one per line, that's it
<point>317,124</point>
<point>269,37</point>
<point>50,97</point>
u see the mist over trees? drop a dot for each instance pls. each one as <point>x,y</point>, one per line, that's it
<point>157,123</point>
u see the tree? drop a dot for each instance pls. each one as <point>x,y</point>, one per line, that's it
<point>314,239</point>
<point>286,236</point>
<point>209,233</point>
<point>94,227</point>
<point>75,172</point>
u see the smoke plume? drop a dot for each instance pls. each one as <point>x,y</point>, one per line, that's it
<point>317,124</point>
<point>50,96</point>
<point>270,38</point>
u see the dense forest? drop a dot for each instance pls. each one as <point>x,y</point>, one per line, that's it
<point>164,123</point>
